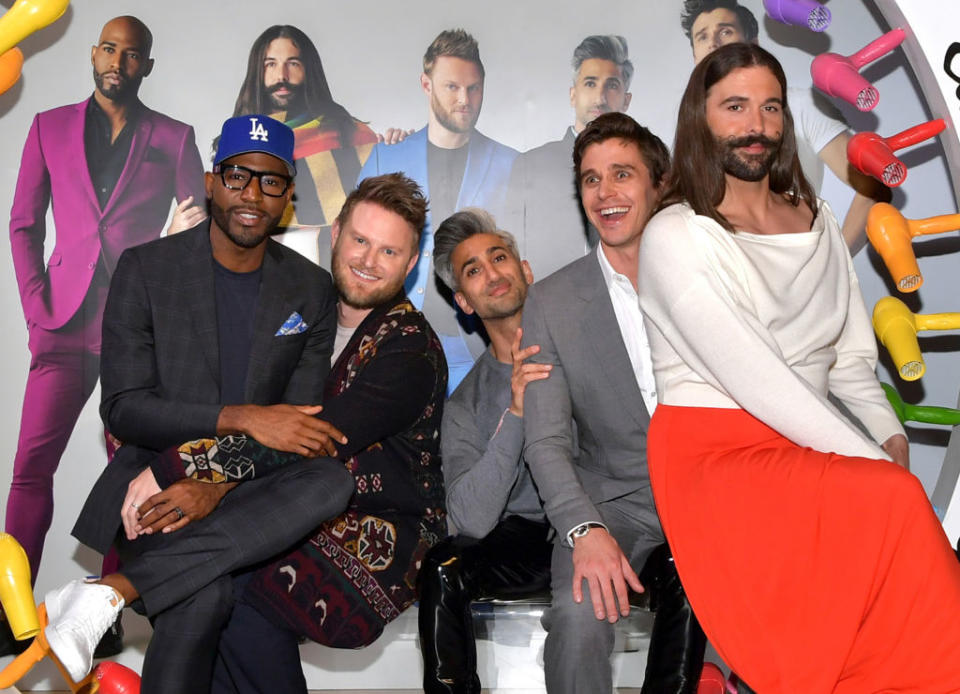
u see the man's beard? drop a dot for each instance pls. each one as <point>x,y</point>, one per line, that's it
<point>750,168</point>
<point>370,299</point>
<point>244,237</point>
<point>446,120</point>
<point>494,311</point>
<point>288,103</point>
<point>120,92</point>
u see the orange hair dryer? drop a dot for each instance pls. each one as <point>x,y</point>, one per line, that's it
<point>891,234</point>
<point>873,155</point>
<point>897,326</point>
<point>11,64</point>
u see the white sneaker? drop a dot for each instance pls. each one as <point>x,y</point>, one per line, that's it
<point>80,614</point>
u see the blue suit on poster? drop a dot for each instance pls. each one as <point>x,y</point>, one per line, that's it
<point>484,185</point>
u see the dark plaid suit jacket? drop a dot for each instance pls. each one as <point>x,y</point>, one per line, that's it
<point>160,370</point>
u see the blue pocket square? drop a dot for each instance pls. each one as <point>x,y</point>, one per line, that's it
<point>294,325</point>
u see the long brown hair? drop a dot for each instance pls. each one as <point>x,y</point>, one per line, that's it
<point>317,97</point>
<point>697,176</point>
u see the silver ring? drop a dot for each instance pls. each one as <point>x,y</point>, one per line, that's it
<point>179,512</point>
<point>134,505</point>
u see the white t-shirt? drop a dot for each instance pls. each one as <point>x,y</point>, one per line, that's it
<point>814,131</point>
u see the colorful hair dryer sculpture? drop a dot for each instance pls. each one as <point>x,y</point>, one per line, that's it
<point>26,619</point>
<point>114,678</point>
<point>804,13</point>
<point>11,64</point>
<point>897,326</point>
<point>16,593</point>
<point>873,155</point>
<point>924,414</point>
<point>838,75</point>
<point>891,234</point>
<point>26,17</point>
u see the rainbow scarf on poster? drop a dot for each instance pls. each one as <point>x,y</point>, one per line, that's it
<point>311,137</point>
<point>332,167</point>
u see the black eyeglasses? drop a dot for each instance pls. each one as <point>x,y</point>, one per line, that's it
<point>238,177</point>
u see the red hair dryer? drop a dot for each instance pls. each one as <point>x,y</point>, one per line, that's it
<point>873,155</point>
<point>804,13</point>
<point>838,75</point>
<point>114,678</point>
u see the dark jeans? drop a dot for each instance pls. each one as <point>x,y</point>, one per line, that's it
<point>512,561</point>
<point>255,655</point>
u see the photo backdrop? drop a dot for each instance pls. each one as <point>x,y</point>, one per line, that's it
<point>372,57</point>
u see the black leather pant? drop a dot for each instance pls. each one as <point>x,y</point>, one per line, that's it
<point>677,644</point>
<point>513,561</point>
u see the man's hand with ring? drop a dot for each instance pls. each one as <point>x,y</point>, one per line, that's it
<point>142,487</point>
<point>183,502</point>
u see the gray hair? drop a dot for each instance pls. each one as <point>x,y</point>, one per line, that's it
<point>604,47</point>
<point>456,229</point>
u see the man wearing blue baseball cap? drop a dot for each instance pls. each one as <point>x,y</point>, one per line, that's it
<point>215,331</point>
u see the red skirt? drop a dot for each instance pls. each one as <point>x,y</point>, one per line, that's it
<point>810,572</point>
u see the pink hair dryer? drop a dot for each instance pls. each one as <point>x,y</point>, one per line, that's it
<point>803,13</point>
<point>838,75</point>
<point>873,155</point>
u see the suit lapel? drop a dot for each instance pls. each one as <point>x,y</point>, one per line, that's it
<point>82,171</point>
<point>138,147</point>
<point>198,279</point>
<point>603,333</point>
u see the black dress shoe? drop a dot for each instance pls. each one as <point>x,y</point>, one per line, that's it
<point>112,642</point>
<point>8,644</point>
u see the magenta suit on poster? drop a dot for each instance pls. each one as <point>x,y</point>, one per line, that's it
<point>63,300</point>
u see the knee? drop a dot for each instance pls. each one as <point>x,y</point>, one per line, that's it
<point>330,475</point>
<point>441,571</point>
<point>576,625</point>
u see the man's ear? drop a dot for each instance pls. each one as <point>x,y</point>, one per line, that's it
<point>572,96</point>
<point>149,67</point>
<point>334,233</point>
<point>462,303</point>
<point>425,83</point>
<point>412,263</point>
<point>527,272</point>
<point>626,101</point>
<point>208,181</point>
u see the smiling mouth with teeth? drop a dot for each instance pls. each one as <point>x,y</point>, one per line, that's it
<point>614,210</point>
<point>363,275</point>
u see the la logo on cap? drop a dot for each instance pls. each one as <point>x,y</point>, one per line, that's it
<point>257,131</point>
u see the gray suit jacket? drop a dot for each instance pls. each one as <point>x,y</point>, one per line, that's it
<point>160,366</point>
<point>543,208</point>
<point>571,317</point>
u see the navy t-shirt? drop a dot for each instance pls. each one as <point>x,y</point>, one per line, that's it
<point>237,294</point>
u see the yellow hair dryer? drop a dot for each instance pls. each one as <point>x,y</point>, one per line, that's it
<point>897,327</point>
<point>16,593</point>
<point>891,234</point>
<point>26,17</point>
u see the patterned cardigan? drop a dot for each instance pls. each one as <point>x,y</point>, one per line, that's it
<point>358,571</point>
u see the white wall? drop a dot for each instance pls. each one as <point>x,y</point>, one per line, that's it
<point>372,53</point>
